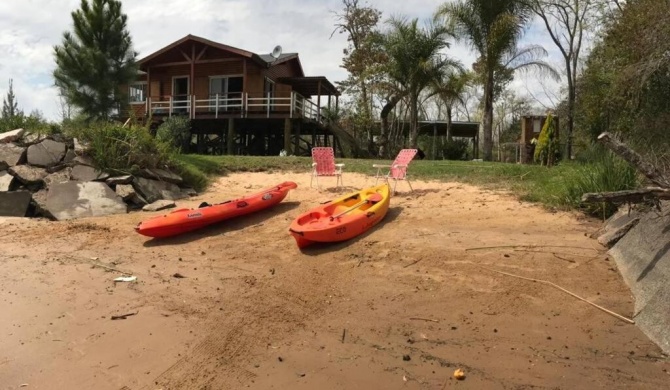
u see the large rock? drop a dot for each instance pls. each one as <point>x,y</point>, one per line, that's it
<point>83,199</point>
<point>62,176</point>
<point>46,153</point>
<point>84,160</point>
<point>6,181</point>
<point>643,258</point>
<point>40,202</point>
<point>14,204</point>
<point>113,181</point>
<point>159,205</point>
<point>161,175</point>
<point>11,136</point>
<point>80,147</point>
<point>11,155</point>
<point>86,173</point>
<point>129,195</point>
<point>28,175</point>
<point>32,138</point>
<point>617,226</point>
<point>153,190</point>
<point>69,156</point>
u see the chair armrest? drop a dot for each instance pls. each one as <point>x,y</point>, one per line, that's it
<point>313,164</point>
<point>380,166</point>
<point>339,165</point>
<point>399,166</point>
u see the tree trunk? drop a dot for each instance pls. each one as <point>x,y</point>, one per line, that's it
<point>628,154</point>
<point>571,114</point>
<point>384,131</point>
<point>449,136</point>
<point>488,117</point>
<point>413,118</point>
<point>633,196</point>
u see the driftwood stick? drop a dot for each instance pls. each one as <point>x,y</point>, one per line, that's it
<point>634,158</point>
<point>531,246</point>
<point>633,196</point>
<point>619,316</point>
<point>423,319</point>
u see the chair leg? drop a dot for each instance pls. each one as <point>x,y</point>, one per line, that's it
<point>311,180</point>
<point>395,183</point>
<point>410,185</point>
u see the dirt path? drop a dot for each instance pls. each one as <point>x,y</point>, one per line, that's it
<point>255,312</point>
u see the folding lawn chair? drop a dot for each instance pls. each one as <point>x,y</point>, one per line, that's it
<point>398,170</point>
<point>323,164</point>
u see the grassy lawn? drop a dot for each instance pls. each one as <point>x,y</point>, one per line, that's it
<point>529,182</point>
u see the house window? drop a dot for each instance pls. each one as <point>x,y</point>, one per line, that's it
<point>137,92</point>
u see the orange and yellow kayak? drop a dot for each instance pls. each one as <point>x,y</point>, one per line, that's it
<point>343,218</point>
<point>186,220</point>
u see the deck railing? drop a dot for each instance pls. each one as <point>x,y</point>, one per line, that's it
<point>242,104</point>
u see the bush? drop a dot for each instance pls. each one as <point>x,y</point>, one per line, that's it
<point>115,148</point>
<point>603,172</point>
<point>455,149</point>
<point>176,131</point>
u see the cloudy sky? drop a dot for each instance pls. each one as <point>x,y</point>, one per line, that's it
<point>29,30</point>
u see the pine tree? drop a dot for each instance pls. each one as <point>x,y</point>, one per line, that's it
<point>10,107</point>
<point>96,59</point>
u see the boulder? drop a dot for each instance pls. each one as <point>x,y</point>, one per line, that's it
<point>40,202</point>
<point>58,177</point>
<point>84,160</point>
<point>161,175</point>
<point>11,136</point>
<point>28,175</point>
<point>129,195</point>
<point>46,153</point>
<point>80,148</point>
<point>11,155</point>
<point>83,199</point>
<point>153,190</point>
<point>159,205</point>
<point>6,181</point>
<point>86,173</point>
<point>189,192</point>
<point>113,181</point>
<point>14,204</point>
<point>69,156</point>
<point>32,138</point>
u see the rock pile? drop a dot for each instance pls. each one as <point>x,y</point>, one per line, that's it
<point>53,177</point>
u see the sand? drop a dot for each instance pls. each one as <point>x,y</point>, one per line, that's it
<point>400,307</point>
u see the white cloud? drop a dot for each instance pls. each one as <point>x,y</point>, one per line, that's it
<point>30,29</point>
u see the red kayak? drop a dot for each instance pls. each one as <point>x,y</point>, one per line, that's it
<point>186,220</point>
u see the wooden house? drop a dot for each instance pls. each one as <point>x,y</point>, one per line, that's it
<point>238,102</point>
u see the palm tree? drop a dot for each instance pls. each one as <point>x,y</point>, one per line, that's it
<point>493,29</point>
<point>414,61</point>
<point>450,88</point>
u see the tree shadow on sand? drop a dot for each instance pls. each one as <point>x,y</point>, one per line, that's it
<point>320,248</point>
<point>238,223</point>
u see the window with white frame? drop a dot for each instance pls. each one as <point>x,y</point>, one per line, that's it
<point>137,92</point>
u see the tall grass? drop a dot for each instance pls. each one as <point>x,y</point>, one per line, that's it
<point>600,171</point>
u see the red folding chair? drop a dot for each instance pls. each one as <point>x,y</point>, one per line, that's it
<point>397,170</point>
<point>323,164</point>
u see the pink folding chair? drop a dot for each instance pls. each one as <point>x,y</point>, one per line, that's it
<point>398,170</point>
<point>323,164</point>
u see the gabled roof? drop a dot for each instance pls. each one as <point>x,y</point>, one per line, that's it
<point>265,60</point>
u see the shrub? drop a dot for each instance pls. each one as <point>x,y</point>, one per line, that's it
<point>455,149</point>
<point>176,131</point>
<point>603,172</point>
<point>116,148</point>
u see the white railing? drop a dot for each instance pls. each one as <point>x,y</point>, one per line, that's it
<point>295,105</point>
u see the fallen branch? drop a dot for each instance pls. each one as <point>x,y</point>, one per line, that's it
<point>423,319</point>
<point>635,159</point>
<point>412,263</point>
<point>124,316</point>
<point>526,246</point>
<point>619,316</point>
<point>632,196</point>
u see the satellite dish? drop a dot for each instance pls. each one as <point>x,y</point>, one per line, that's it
<point>276,52</point>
